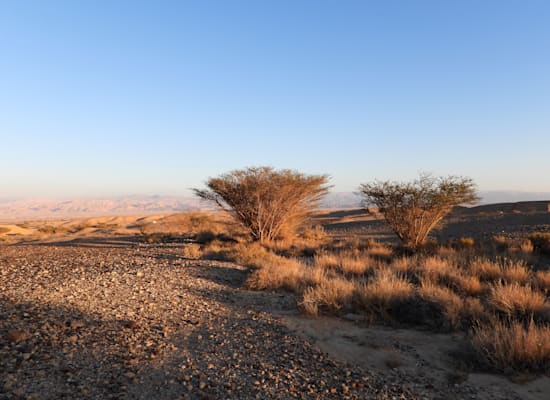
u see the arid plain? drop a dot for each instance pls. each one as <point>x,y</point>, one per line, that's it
<point>179,306</point>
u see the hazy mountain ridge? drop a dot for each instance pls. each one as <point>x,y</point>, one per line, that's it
<point>68,208</point>
<point>11,209</point>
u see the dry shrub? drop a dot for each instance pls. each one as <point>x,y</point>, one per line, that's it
<point>473,310</point>
<point>465,243</point>
<point>283,273</point>
<point>218,251</point>
<point>345,262</point>
<point>254,255</point>
<point>470,285</point>
<point>413,209</point>
<point>516,299</point>
<point>354,265</point>
<point>526,246</point>
<point>271,204</point>
<point>515,271</point>
<point>330,295</point>
<point>485,269</point>
<point>384,293</point>
<point>404,265</point>
<point>435,268</point>
<point>450,304</point>
<point>192,251</point>
<point>542,280</point>
<point>326,260</point>
<point>512,345</point>
<point>380,251</point>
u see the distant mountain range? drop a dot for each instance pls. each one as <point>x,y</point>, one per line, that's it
<point>137,205</point>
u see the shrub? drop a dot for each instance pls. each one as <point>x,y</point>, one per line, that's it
<point>332,294</point>
<point>542,279</point>
<point>283,273</point>
<point>515,271</point>
<point>270,204</point>
<point>512,345</point>
<point>485,269</point>
<point>413,209</point>
<point>384,293</point>
<point>516,299</point>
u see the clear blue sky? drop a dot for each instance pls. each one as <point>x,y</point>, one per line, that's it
<point>112,97</point>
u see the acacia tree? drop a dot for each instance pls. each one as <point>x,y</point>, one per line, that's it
<point>413,209</point>
<point>271,204</point>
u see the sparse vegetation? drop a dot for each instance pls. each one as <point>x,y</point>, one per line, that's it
<point>413,209</point>
<point>448,291</point>
<point>270,204</point>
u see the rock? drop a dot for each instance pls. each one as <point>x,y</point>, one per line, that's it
<point>16,335</point>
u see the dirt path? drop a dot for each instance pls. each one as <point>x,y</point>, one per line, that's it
<point>142,322</point>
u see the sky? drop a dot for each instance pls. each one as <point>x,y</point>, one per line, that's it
<point>104,98</point>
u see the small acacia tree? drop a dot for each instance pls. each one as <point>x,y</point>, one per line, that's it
<point>413,209</point>
<point>270,204</point>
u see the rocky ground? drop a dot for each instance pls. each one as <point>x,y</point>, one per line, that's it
<point>142,322</point>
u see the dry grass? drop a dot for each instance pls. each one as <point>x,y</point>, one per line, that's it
<point>469,285</point>
<point>542,280</point>
<point>451,304</point>
<point>192,251</point>
<point>331,294</point>
<point>512,345</point>
<point>486,270</point>
<point>515,271</point>
<point>516,299</point>
<point>451,289</point>
<point>435,269</point>
<point>345,262</point>
<point>284,273</point>
<point>383,293</point>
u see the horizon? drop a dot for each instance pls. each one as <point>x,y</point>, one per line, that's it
<point>116,100</point>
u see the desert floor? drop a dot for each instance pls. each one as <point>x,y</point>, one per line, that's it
<point>90,310</point>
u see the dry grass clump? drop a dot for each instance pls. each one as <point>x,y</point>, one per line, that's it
<point>254,255</point>
<point>404,265</point>
<point>512,345</point>
<point>486,270</point>
<point>466,284</point>
<point>450,304</point>
<point>542,281</point>
<point>355,265</point>
<point>383,293</point>
<point>516,299</point>
<point>526,246</point>
<point>326,260</point>
<point>218,250</point>
<point>379,251</point>
<point>465,243</point>
<point>192,250</point>
<point>435,269</point>
<point>344,263</point>
<point>515,271</point>
<point>331,295</point>
<point>282,273</point>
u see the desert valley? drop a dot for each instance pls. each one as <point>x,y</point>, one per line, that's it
<point>176,306</point>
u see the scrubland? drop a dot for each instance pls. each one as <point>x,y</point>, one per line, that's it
<point>495,289</point>
<point>185,292</point>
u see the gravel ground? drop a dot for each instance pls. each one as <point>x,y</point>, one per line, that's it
<point>142,322</point>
